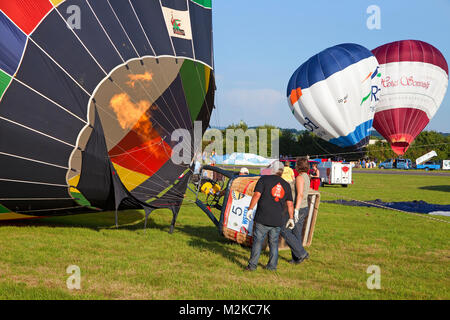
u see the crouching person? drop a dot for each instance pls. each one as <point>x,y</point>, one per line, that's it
<point>274,199</point>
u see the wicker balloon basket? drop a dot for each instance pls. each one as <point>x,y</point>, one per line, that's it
<point>241,185</point>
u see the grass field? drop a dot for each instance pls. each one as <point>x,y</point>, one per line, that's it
<point>195,262</point>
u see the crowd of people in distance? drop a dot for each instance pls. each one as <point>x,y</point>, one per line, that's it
<point>285,157</point>
<point>365,163</point>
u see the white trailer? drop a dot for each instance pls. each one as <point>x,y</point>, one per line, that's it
<point>332,172</point>
<point>426,157</point>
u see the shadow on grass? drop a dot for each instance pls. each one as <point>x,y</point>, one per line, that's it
<point>333,186</point>
<point>206,237</point>
<point>436,188</point>
<point>97,221</point>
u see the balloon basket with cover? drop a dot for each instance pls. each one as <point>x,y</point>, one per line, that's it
<point>232,203</point>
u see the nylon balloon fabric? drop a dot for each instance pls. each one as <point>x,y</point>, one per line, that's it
<point>90,94</point>
<point>414,82</point>
<point>334,94</point>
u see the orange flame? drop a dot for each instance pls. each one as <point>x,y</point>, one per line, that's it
<point>139,77</point>
<point>128,112</point>
<point>135,116</point>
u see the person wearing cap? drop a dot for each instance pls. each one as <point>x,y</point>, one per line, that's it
<point>294,237</point>
<point>273,198</point>
<point>244,172</point>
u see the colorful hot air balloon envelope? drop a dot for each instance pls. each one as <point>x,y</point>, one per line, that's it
<point>335,92</point>
<point>414,82</point>
<point>90,93</point>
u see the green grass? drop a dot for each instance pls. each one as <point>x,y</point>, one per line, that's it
<point>195,262</point>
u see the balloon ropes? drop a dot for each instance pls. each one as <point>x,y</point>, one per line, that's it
<point>334,94</point>
<point>90,93</point>
<point>414,82</point>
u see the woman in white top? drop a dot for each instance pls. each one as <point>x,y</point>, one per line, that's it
<point>294,237</point>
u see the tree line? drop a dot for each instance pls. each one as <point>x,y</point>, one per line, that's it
<point>294,143</point>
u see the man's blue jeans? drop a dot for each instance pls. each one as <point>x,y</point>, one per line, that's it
<point>294,237</point>
<point>259,234</point>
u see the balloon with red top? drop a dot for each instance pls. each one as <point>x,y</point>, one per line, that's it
<point>413,85</point>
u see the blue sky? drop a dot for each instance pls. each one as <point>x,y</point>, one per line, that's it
<point>258,44</point>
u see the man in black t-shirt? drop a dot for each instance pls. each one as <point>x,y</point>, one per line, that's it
<point>274,198</point>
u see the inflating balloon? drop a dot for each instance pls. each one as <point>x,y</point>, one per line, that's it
<point>414,82</point>
<point>90,93</point>
<point>335,92</point>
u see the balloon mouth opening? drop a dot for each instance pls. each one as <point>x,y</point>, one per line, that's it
<point>400,147</point>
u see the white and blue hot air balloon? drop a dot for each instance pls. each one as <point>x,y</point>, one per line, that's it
<point>335,92</point>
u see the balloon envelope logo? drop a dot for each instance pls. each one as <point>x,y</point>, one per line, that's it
<point>374,89</point>
<point>176,24</point>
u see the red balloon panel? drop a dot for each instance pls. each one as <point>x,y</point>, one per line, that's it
<point>400,126</point>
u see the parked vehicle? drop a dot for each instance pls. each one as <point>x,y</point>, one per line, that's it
<point>426,157</point>
<point>332,172</point>
<point>445,164</point>
<point>396,164</point>
<point>429,165</point>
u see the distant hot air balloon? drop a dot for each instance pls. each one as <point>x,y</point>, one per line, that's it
<point>335,92</point>
<point>414,82</point>
<point>87,107</point>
